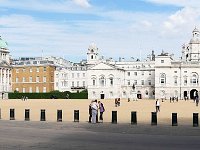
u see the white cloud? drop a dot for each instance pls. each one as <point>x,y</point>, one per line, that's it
<point>82,3</point>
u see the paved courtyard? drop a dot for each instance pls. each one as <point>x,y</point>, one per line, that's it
<point>21,135</point>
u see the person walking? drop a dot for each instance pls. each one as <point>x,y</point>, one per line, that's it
<point>101,110</point>
<point>94,111</point>
<point>90,112</point>
<point>157,105</point>
<point>197,100</point>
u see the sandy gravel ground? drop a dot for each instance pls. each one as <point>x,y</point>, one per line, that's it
<point>184,109</point>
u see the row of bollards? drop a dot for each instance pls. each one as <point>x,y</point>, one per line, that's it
<point>114,117</point>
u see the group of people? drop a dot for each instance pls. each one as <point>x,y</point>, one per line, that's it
<point>93,111</point>
<point>117,102</point>
<point>24,98</point>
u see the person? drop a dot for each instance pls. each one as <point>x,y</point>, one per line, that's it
<point>116,102</point>
<point>90,112</point>
<point>94,111</point>
<point>101,110</point>
<point>157,105</point>
<point>197,100</point>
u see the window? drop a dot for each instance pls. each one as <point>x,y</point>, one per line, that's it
<point>175,80</point>
<point>23,79</point>
<point>185,80</point>
<point>93,82</point>
<point>44,89</point>
<point>142,82</point>
<point>142,73</point>
<point>37,69</point>
<point>30,79</point>
<point>135,82</point>
<point>72,75</point>
<point>44,79</point>
<point>23,69</point>
<point>128,82</point>
<point>30,89</point>
<point>163,78</point>
<point>77,83</point>
<point>23,90</point>
<point>146,92</point>
<point>83,83</point>
<point>45,69</point>
<point>162,61</point>
<point>31,70</point>
<point>135,73</point>
<point>149,82</point>
<point>194,79</point>
<point>72,83</point>
<point>83,74</point>
<point>111,94</point>
<point>17,70</point>
<point>78,74</point>
<point>56,84</point>
<point>111,81</point>
<point>91,56</point>
<point>185,71</point>
<point>37,89</point>
<point>175,71</point>
<point>102,81</point>
<point>37,79</point>
<point>149,72</point>
<point>128,73</point>
<point>17,80</point>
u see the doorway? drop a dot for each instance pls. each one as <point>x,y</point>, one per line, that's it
<point>102,96</point>
<point>185,93</point>
<point>193,93</point>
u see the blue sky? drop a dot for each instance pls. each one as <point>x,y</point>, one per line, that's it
<point>120,28</point>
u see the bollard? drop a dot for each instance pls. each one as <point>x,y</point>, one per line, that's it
<point>12,114</point>
<point>174,119</point>
<point>153,118</point>
<point>134,117</point>
<point>42,115</point>
<point>195,119</point>
<point>114,116</point>
<point>76,115</point>
<point>27,114</point>
<point>59,115</point>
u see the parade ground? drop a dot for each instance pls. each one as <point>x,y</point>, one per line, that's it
<point>184,110</point>
<point>18,134</point>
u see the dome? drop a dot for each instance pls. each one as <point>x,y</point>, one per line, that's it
<point>3,44</point>
<point>195,30</point>
<point>195,41</point>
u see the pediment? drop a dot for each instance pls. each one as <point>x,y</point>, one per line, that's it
<point>103,66</point>
<point>4,64</point>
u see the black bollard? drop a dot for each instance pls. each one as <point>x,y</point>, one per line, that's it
<point>195,119</point>
<point>27,114</point>
<point>42,115</point>
<point>174,119</point>
<point>114,116</point>
<point>153,118</point>
<point>134,117</point>
<point>12,114</point>
<point>59,115</point>
<point>76,115</point>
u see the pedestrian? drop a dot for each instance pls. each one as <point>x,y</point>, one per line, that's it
<point>94,111</point>
<point>90,112</point>
<point>118,102</point>
<point>101,110</point>
<point>197,100</point>
<point>157,105</point>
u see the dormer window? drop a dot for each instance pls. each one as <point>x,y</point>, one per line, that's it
<point>92,51</point>
<point>92,56</point>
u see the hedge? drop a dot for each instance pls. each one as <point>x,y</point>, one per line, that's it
<point>50,95</point>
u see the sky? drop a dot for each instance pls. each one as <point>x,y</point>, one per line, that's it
<point>119,28</point>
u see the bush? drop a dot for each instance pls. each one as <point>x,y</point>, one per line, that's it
<point>50,95</point>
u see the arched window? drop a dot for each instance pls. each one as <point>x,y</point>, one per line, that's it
<point>91,56</point>
<point>111,81</point>
<point>93,80</point>
<point>194,79</point>
<point>162,78</point>
<point>102,81</point>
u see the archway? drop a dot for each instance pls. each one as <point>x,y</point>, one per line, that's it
<point>139,95</point>
<point>193,93</point>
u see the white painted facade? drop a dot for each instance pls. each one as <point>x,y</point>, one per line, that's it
<point>5,70</point>
<point>159,76</point>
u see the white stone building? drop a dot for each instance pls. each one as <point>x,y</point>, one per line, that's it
<point>159,76</point>
<point>5,70</point>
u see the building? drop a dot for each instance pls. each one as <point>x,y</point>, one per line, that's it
<point>32,75</point>
<point>5,70</point>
